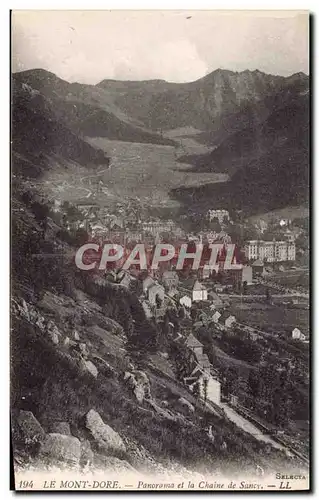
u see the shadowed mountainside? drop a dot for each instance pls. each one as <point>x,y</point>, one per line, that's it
<point>87,110</point>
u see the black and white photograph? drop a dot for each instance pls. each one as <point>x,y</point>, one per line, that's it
<point>160,333</point>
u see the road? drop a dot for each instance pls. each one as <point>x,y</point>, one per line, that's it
<point>247,426</point>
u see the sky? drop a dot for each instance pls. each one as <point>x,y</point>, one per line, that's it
<point>177,46</point>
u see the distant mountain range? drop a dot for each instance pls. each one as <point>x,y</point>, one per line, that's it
<point>268,160</point>
<point>257,126</point>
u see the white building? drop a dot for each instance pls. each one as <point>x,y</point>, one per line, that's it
<point>297,335</point>
<point>199,292</point>
<point>271,251</point>
<point>216,316</point>
<point>186,301</point>
<point>219,214</point>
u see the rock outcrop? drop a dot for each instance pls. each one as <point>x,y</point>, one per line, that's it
<point>30,429</point>
<point>186,404</point>
<point>105,438</point>
<point>60,448</point>
<point>91,368</point>
<point>139,383</point>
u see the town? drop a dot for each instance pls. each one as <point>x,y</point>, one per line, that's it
<point>223,325</point>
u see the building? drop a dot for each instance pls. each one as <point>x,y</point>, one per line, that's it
<point>227,320</point>
<point>271,251</point>
<point>215,300</point>
<point>199,292</point>
<point>297,335</point>
<point>147,283</point>
<point>186,301</point>
<point>195,345</point>
<point>218,214</point>
<point>170,280</point>
<point>258,268</point>
<point>154,293</point>
<point>158,226</point>
<point>247,275</point>
<point>216,316</point>
<point>124,278</point>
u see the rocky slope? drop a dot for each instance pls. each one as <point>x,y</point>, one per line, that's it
<point>86,389</point>
<point>219,103</point>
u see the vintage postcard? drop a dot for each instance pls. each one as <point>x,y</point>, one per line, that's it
<point>160,332</point>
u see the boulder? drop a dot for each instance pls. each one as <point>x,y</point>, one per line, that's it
<point>31,430</point>
<point>106,439</point>
<point>186,404</point>
<point>53,332</point>
<point>53,337</point>
<point>76,335</point>
<point>162,412</point>
<point>61,448</point>
<point>40,322</point>
<point>82,347</point>
<point>91,368</point>
<point>60,428</point>
<point>139,383</point>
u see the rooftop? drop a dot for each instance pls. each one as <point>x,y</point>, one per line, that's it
<point>193,341</point>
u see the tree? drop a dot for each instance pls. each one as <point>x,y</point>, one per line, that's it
<point>231,382</point>
<point>268,296</point>
<point>196,390</point>
<point>205,389</point>
<point>253,386</point>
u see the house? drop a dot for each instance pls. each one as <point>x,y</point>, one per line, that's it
<point>154,293</point>
<point>186,301</point>
<point>258,268</point>
<point>216,316</point>
<point>147,283</point>
<point>230,321</point>
<point>195,345</point>
<point>254,336</point>
<point>199,292</point>
<point>227,320</point>
<point>170,280</point>
<point>247,275</point>
<point>297,335</point>
<point>204,362</point>
<point>215,300</point>
<point>125,279</point>
<point>116,224</point>
<point>204,273</point>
